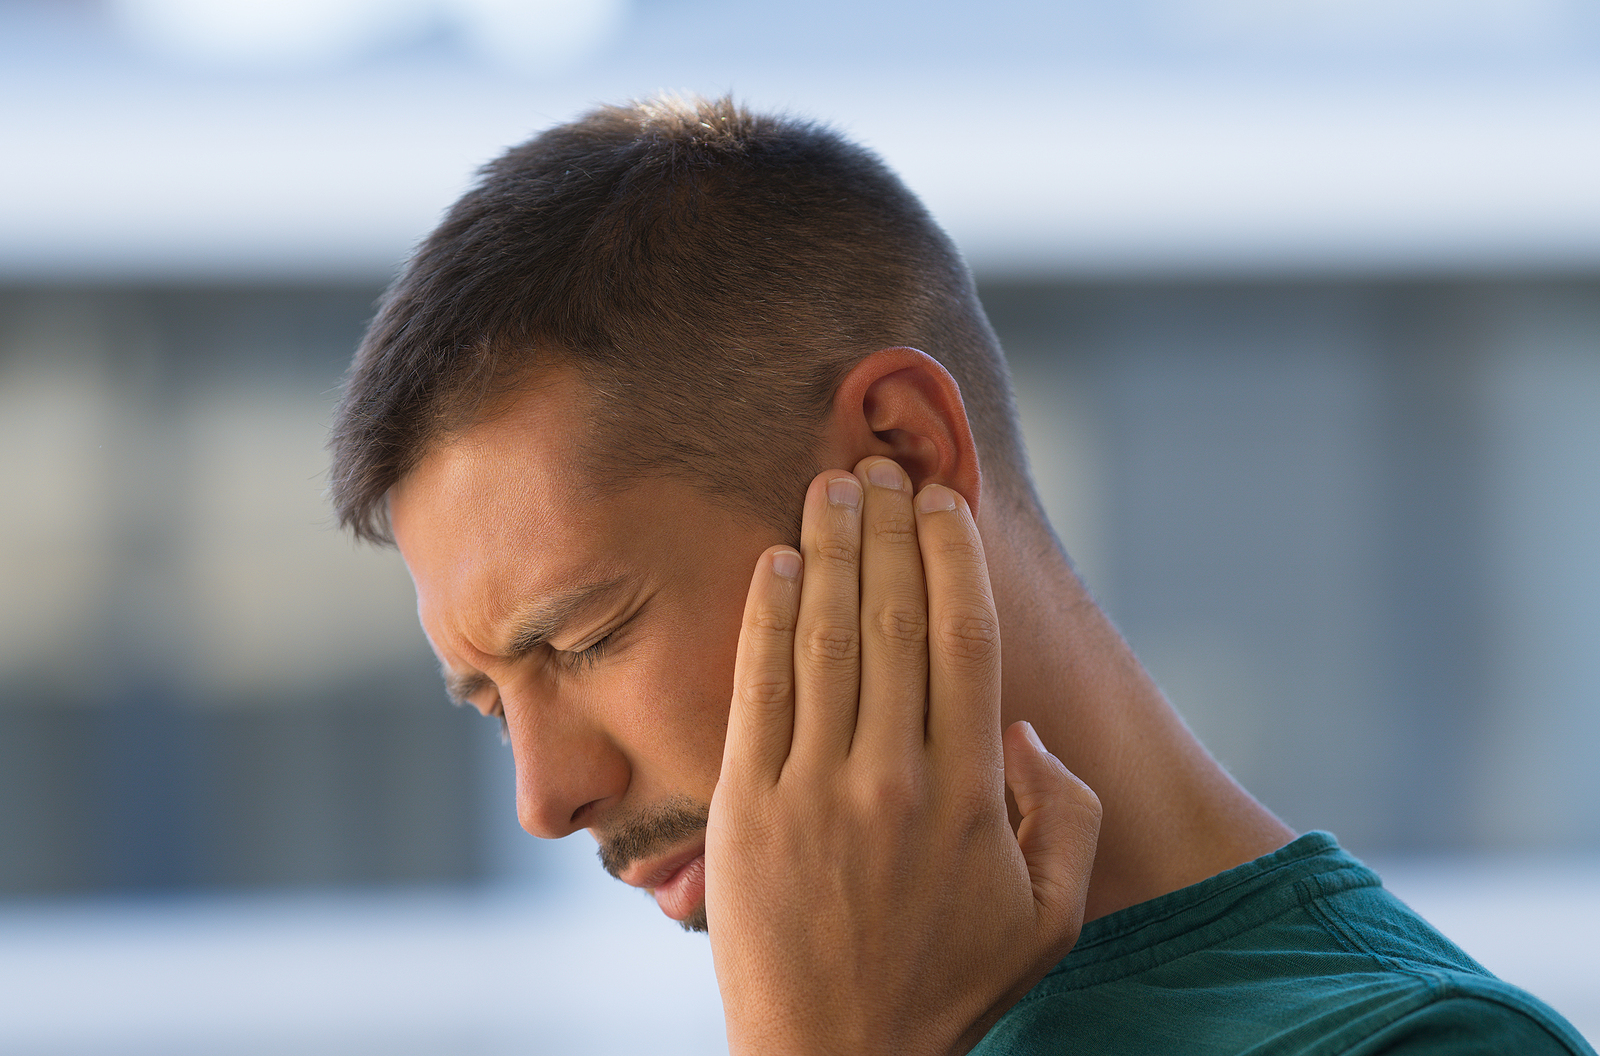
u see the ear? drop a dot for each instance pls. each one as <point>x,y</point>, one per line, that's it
<point>903,404</point>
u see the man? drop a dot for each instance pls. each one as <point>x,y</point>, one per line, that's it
<point>703,458</point>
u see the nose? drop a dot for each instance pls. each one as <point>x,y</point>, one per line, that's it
<point>567,770</point>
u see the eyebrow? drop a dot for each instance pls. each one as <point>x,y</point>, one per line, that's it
<point>533,628</point>
<point>460,688</point>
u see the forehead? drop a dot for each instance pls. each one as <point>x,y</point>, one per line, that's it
<point>506,499</point>
<point>529,448</point>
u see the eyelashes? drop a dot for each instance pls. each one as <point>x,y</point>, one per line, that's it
<point>586,657</point>
<point>576,659</point>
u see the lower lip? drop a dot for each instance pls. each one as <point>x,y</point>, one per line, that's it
<point>683,890</point>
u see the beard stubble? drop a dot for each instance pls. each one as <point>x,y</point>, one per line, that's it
<point>651,832</point>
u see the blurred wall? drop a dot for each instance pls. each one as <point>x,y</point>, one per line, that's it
<point>1348,525</point>
<point>200,682</point>
<point>1301,299</point>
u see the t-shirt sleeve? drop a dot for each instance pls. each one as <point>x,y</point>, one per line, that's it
<point>1476,1026</point>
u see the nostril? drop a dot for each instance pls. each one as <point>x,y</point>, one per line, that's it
<point>577,820</point>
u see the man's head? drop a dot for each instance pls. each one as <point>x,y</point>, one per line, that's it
<point>710,274</point>
<point>599,392</point>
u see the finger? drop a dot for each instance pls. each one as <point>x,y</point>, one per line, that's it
<point>761,718</point>
<point>827,645</point>
<point>894,616</point>
<point>963,631</point>
<point>1059,830</point>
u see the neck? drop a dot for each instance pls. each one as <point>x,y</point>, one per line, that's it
<point>1172,815</point>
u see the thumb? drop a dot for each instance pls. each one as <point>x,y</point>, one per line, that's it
<point>1060,826</point>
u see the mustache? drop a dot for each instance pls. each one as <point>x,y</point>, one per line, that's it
<point>652,831</point>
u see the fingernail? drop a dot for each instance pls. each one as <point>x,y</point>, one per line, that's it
<point>786,563</point>
<point>885,474</point>
<point>1033,736</point>
<point>934,498</point>
<point>844,491</point>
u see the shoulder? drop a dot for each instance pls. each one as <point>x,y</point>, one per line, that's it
<point>1302,953</point>
<point>1477,1020</point>
<point>1420,1018</point>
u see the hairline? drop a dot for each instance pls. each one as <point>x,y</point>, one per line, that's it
<point>602,470</point>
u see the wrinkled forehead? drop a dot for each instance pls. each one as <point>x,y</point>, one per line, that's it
<point>493,498</point>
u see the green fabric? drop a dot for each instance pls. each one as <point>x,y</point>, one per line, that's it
<point>1301,952</point>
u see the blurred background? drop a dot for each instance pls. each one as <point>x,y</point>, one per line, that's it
<point>1303,303</point>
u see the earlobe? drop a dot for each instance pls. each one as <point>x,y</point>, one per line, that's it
<point>903,404</point>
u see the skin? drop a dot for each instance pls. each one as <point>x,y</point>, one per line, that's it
<point>833,829</point>
<point>863,771</point>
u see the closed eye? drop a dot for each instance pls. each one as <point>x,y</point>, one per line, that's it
<point>587,656</point>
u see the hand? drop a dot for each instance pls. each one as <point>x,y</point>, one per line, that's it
<point>864,889</point>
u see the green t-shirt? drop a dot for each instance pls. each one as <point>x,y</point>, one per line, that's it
<point>1300,952</point>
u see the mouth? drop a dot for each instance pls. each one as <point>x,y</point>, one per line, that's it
<point>677,881</point>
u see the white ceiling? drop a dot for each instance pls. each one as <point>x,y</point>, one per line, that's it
<point>1168,136</point>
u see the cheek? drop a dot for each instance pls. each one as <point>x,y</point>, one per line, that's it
<point>670,710</point>
<point>681,680</point>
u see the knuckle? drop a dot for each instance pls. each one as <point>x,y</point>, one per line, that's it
<point>895,528</point>
<point>844,551</point>
<point>830,643</point>
<point>765,690</point>
<point>1088,812</point>
<point>972,637</point>
<point>772,622</point>
<point>900,625</point>
<point>953,546</point>
<point>893,793</point>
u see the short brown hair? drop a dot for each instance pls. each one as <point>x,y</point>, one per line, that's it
<point>711,273</point>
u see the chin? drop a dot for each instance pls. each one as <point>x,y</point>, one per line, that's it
<point>696,921</point>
